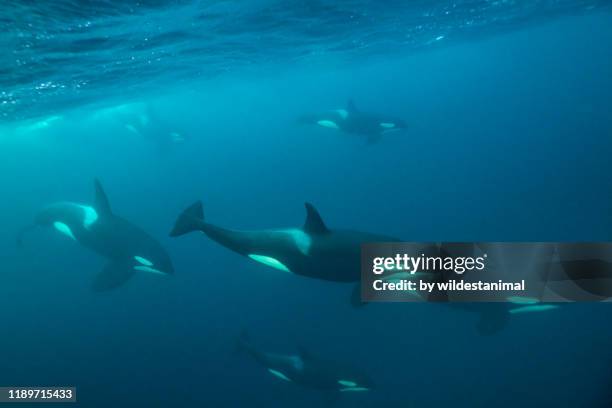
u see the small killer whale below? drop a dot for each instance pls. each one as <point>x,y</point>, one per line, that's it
<point>354,121</point>
<point>314,250</point>
<point>128,248</point>
<point>309,371</point>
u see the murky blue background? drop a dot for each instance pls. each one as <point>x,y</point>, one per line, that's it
<point>509,138</point>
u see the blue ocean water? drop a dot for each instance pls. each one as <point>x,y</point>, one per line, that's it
<point>509,139</point>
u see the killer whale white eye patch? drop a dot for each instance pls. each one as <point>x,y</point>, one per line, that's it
<point>328,124</point>
<point>143,261</point>
<point>354,389</point>
<point>387,125</point>
<point>347,383</point>
<point>278,374</point>
<point>269,261</point>
<point>64,229</point>
<point>146,265</point>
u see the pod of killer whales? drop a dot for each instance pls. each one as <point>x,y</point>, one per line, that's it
<point>314,250</point>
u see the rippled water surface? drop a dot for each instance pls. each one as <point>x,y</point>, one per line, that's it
<point>63,53</point>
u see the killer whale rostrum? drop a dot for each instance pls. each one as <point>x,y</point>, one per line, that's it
<point>128,248</point>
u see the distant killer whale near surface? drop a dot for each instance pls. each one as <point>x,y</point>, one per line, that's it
<point>355,121</point>
<point>128,248</point>
<point>314,250</point>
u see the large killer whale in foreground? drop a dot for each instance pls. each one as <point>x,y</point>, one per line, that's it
<point>307,370</point>
<point>314,250</point>
<point>128,248</point>
<point>354,121</point>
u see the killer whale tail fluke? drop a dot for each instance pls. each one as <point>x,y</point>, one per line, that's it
<point>191,219</point>
<point>101,202</point>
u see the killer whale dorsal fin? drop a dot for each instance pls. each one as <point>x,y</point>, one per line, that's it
<point>101,203</point>
<point>350,107</point>
<point>314,223</point>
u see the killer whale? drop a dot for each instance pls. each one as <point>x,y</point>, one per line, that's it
<point>492,317</point>
<point>309,371</point>
<point>145,122</point>
<point>314,250</point>
<point>354,121</point>
<point>128,248</point>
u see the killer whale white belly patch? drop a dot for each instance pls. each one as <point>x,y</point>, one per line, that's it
<point>278,374</point>
<point>301,240</point>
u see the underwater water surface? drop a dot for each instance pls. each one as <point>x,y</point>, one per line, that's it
<point>508,138</point>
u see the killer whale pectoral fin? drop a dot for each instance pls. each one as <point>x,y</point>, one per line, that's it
<point>101,203</point>
<point>314,223</point>
<point>114,274</point>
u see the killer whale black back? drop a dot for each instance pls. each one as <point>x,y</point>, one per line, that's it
<point>314,250</point>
